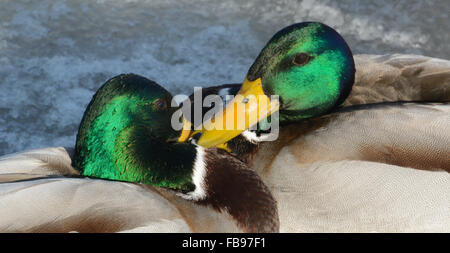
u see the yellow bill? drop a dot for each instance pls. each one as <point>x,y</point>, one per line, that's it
<point>248,107</point>
<point>186,131</point>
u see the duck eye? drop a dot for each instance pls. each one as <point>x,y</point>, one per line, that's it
<point>160,104</point>
<point>301,59</point>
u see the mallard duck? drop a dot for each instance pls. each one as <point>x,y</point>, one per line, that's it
<point>369,167</point>
<point>127,174</point>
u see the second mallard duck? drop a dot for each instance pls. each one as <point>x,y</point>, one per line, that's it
<point>379,167</point>
<point>152,184</point>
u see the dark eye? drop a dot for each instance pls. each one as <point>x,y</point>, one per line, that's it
<point>160,104</point>
<point>301,59</point>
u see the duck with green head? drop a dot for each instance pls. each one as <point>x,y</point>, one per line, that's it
<point>362,168</point>
<point>126,135</point>
<point>308,67</point>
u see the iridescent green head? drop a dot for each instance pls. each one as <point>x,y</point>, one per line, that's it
<point>124,136</point>
<point>309,66</point>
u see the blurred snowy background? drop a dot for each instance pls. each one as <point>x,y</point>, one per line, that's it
<point>54,54</point>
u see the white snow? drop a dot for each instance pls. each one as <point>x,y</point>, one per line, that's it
<point>54,54</point>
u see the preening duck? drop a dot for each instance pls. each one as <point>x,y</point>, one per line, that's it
<point>308,66</point>
<point>151,184</point>
<point>379,164</point>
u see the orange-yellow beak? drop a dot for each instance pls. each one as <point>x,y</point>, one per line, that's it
<point>186,131</point>
<point>248,107</point>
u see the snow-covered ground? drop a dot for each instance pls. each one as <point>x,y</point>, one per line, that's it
<point>54,54</point>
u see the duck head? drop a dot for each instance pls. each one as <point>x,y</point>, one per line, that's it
<point>126,135</point>
<point>305,70</point>
<point>123,136</point>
